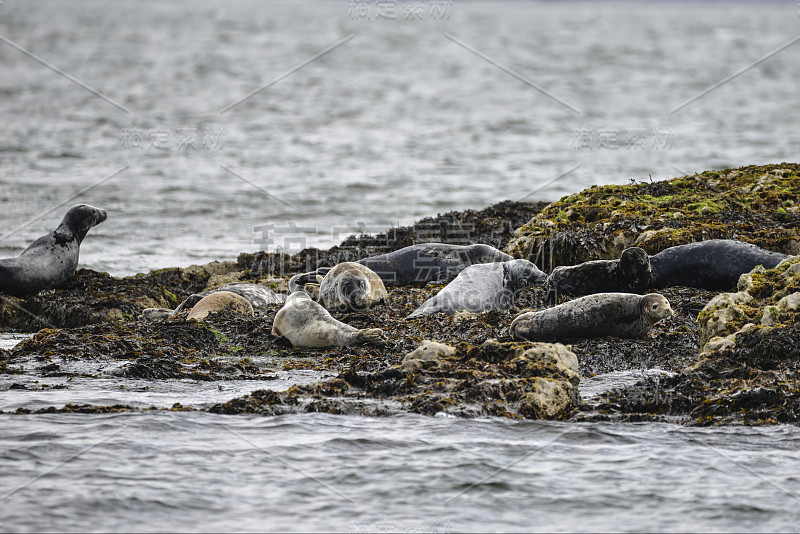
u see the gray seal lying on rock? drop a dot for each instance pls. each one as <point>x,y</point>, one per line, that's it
<point>424,262</point>
<point>598,315</point>
<point>52,259</point>
<point>629,274</point>
<point>351,286</point>
<point>257,295</point>
<point>715,264</point>
<point>482,287</point>
<point>306,323</point>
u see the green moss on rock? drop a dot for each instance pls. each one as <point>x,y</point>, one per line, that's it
<point>600,222</point>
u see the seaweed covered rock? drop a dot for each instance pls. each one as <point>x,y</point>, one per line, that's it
<point>754,382</point>
<point>765,298</point>
<point>149,350</point>
<point>93,297</point>
<point>749,368</point>
<point>516,380</point>
<point>491,226</point>
<point>757,204</point>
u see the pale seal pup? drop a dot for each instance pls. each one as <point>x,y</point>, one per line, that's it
<point>483,287</point>
<point>306,323</point>
<point>598,315</point>
<point>257,295</point>
<point>51,260</point>
<point>629,274</point>
<point>351,286</point>
<point>715,264</point>
<point>220,301</point>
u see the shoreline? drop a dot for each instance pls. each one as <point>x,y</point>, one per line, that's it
<point>91,323</point>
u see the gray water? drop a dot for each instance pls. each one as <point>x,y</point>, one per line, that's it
<point>401,120</point>
<point>398,123</point>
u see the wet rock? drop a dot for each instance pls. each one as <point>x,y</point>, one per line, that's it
<point>766,298</point>
<point>491,226</point>
<point>92,297</point>
<point>748,376</point>
<point>426,355</point>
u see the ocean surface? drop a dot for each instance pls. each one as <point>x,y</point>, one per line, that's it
<point>210,128</point>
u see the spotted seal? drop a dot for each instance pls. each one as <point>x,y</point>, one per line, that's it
<point>715,264</point>
<point>482,287</point>
<point>51,260</point>
<point>629,274</point>
<point>351,286</point>
<point>257,295</point>
<point>598,315</point>
<point>219,302</point>
<point>306,323</point>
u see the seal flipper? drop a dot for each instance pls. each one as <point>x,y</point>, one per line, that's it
<point>370,335</point>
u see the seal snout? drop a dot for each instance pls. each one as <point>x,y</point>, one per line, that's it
<point>101,215</point>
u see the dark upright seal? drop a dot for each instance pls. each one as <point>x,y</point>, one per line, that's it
<point>483,287</point>
<point>629,274</point>
<point>715,264</point>
<point>52,259</point>
<point>598,315</point>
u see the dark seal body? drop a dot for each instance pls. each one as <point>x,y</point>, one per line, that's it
<point>51,260</point>
<point>598,315</point>
<point>715,264</point>
<point>483,287</point>
<point>430,262</point>
<point>629,274</point>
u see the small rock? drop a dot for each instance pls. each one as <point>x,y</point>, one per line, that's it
<point>770,316</point>
<point>745,283</point>
<point>463,316</point>
<point>426,355</point>
<point>790,302</point>
<point>550,399</point>
<point>221,301</point>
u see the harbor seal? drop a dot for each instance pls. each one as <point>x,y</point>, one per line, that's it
<point>483,287</point>
<point>257,295</point>
<point>715,264</point>
<point>598,315</point>
<point>51,260</point>
<point>306,323</point>
<point>351,286</point>
<point>220,301</point>
<point>629,274</point>
<point>425,262</point>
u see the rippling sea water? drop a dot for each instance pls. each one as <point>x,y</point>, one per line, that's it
<point>406,118</point>
<point>402,121</point>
